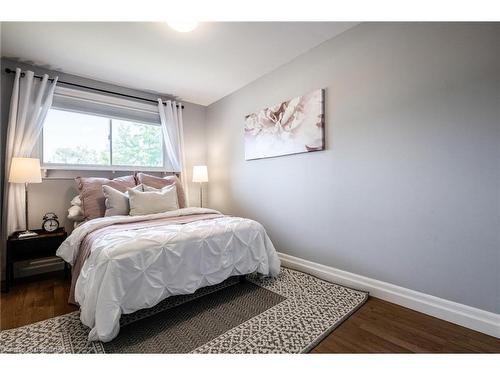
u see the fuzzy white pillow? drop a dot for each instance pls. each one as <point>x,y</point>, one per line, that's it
<point>76,201</point>
<point>153,202</point>
<point>75,213</point>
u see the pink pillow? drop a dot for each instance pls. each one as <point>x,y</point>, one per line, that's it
<point>159,183</point>
<point>92,197</point>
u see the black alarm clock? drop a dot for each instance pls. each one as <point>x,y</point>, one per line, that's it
<point>50,223</point>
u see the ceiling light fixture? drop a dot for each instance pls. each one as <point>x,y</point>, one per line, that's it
<point>183,26</point>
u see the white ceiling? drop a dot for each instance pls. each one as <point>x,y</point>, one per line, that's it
<point>201,67</point>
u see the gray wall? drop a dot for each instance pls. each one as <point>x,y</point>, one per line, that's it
<point>408,190</point>
<point>54,195</point>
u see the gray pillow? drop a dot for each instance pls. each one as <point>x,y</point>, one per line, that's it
<point>153,202</point>
<point>117,203</point>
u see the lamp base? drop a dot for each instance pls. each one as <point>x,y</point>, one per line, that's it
<point>27,233</point>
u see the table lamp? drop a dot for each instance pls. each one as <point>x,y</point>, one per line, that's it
<point>25,171</point>
<point>200,174</point>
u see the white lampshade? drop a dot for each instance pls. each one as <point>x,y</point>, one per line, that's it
<point>200,173</point>
<point>25,170</point>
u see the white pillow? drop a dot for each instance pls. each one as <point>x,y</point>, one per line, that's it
<point>117,203</point>
<point>75,213</point>
<point>76,201</point>
<point>150,188</point>
<point>153,202</point>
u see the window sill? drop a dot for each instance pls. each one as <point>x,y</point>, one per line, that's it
<point>49,167</point>
<point>67,172</point>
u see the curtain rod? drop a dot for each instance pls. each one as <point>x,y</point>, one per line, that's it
<point>10,71</point>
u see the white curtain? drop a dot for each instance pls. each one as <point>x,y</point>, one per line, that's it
<point>31,99</point>
<point>173,136</point>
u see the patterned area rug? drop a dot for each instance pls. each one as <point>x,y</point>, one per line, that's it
<point>289,314</point>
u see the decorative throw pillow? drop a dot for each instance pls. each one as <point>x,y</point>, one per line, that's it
<point>92,197</point>
<point>75,213</point>
<point>147,188</point>
<point>153,202</point>
<point>150,188</point>
<point>117,203</point>
<point>159,183</point>
<point>76,201</point>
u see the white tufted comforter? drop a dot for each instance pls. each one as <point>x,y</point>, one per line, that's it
<point>132,269</point>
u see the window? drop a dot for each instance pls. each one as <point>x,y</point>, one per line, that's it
<point>86,140</point>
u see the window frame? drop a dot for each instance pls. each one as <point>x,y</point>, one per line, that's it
<point>98,167</point>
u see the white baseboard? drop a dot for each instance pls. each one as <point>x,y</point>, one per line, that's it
<point>467,316</point>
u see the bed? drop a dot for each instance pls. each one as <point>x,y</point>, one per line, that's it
<point>122,264</point>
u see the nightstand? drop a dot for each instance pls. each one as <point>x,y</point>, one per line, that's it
<point>30,248</point>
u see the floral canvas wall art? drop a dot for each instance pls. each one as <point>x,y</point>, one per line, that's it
<point>291,127</point>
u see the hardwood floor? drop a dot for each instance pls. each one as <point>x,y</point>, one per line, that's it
<point>35,299</point>
<point>377,327</point>
<point>383,327</point>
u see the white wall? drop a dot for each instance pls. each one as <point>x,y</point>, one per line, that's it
<point>408,190</point>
